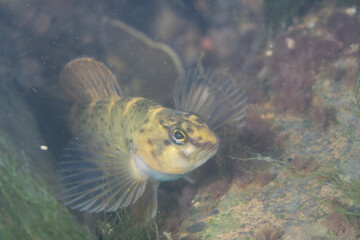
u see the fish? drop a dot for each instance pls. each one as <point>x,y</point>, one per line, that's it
<point>123,147</point>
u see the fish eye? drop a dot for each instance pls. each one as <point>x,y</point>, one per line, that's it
<point>178,136</point>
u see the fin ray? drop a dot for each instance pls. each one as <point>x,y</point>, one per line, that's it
<point>147,206</point>
<point>84,79</point>
<point>98,176</point>
<point>211,95</point>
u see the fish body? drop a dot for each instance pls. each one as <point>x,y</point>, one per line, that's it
<point>124,146</point>
<point>146,128</point>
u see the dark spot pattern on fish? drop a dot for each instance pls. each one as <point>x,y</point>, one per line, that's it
<point>189,130</point>
<point>163,124</point>
<point>198,120</point>
<point>154,155</point>
<point>143,105</point>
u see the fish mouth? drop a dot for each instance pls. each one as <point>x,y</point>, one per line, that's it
<point>215,146</point>
<point>208,151</point>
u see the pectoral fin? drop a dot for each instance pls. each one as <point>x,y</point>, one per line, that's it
<point>189,179</point>
<point>98,173</point>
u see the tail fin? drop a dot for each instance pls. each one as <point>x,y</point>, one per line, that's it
<point>85,80</point>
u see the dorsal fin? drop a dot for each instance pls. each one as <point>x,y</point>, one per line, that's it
<point>84,80</point>
<point>211,95</point>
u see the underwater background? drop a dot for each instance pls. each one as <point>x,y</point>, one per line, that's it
<point>293,172</point>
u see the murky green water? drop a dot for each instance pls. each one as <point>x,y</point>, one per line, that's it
<point>292,172</point>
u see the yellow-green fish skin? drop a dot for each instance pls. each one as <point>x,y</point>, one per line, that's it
<point>144,126</point>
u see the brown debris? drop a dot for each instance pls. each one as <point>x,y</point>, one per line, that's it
<point>323,117</point>
<point>264,178</point>
<point>244,178</point>
<point>295,66</point>
<point>217,189</point>
<point>269,234</point>
<point>260,135</point>
<point>340,226</point>
<point>299,163</point>
<point>344,27</point>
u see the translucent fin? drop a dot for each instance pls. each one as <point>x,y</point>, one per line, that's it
<point>153,196</point>
<point>189,179</point>
<point>212,96</point>
<point>99,174</point>
<point>84,80</point>
<point>148,203</point>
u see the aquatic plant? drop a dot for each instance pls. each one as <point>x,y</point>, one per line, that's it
<point>121,225</point>
<point>344,215</point>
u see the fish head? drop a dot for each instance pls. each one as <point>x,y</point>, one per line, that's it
<point>177,142</point>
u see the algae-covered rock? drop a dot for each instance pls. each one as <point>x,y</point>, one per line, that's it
<point>310,189</point>
<point>28,210</point>
<point>28,206</point>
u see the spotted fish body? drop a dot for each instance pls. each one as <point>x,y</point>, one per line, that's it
<point>124,146</point>
<point>144,127</point>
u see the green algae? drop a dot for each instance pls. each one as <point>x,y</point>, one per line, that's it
<point>348,205</point>
<point>28,210</point>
